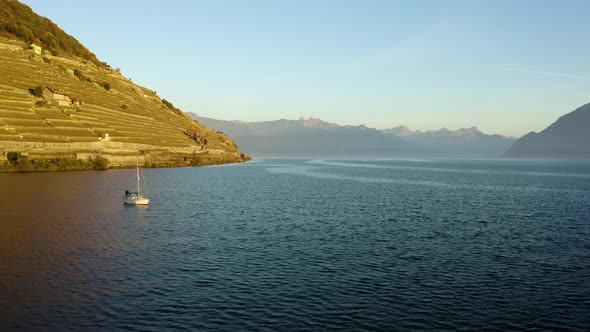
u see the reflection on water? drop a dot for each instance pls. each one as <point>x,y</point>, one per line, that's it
<point>414,167</point>
<point>51,225</point>
<point>273,245</point>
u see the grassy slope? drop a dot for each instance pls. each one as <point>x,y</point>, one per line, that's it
<point>133,116</point>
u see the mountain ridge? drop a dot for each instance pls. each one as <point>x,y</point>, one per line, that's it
<point>567,137</point>
<point>307,137</point>
<point>403,141</point>
<point>462,142</point>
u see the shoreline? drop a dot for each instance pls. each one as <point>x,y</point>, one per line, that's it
<point>25,165</point>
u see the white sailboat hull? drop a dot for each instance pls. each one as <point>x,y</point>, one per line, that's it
<point>136,201</point>
<point>135,198</point>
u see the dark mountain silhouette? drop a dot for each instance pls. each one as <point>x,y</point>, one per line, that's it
<point>568,137</point>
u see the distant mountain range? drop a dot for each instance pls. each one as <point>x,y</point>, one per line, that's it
<point>308,137</point>
<point>464,142</point>
<point>313,136</point>
<point>568,137</point>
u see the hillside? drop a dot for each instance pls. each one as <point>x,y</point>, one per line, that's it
<point>464,142</point>
<point>18,21</point>
<point>309,137</point>
<point>568,137</point>
<point>69,107</point>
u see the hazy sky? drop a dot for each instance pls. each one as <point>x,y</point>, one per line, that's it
<point>504,66</point>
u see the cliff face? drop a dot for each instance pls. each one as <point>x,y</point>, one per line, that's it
<point>568,137</point>
<point>62,102</point>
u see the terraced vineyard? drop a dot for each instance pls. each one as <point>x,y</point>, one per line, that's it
<point>133,119</point>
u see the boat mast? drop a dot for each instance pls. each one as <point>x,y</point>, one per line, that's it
<point>137,168</point>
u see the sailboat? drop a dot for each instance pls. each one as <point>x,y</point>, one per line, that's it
<point>135,197</point>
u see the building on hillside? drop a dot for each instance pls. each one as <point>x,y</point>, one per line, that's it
<point>36,48</point>
<point>74,100</point>
<point>57,97</point>
<point>104,137</point>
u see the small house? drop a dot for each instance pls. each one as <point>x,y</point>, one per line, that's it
<point>56,97</point>
<point>36,48</point>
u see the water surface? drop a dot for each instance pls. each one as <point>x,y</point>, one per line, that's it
<point>366,244</point>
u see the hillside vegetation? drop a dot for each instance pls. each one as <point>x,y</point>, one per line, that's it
<point>20,22</point>
<point>95,111</point>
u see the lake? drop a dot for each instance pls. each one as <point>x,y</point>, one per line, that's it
<point>304,245</point>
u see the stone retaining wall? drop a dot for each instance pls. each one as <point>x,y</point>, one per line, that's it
<point>98,145</point>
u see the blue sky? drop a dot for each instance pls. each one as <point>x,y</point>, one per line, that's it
<point>506,67</point>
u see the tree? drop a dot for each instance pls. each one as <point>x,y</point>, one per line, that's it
<point>36,91</point>
<point>168,104</point>
<point>24,164</point>
<point>78,74</point>
<point>98,161</point>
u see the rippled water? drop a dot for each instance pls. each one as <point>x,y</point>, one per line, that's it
<point>301,245</point>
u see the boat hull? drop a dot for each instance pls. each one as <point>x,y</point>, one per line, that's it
<point>137,201</point>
